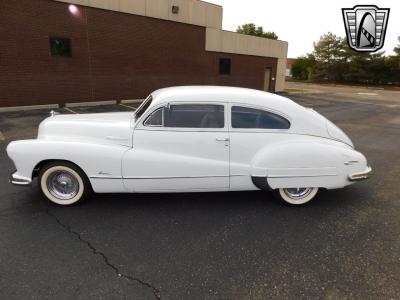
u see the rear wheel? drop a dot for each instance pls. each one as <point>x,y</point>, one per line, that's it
<point>63,183</point>
<point>297,196</point>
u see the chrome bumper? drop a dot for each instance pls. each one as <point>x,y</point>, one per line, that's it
<point>362,175</point>
<point>19,180</point>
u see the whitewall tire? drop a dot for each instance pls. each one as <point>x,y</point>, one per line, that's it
<point>63,183</point>
<point>297,196</point>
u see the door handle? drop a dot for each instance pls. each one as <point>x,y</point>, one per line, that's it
<point>222,139</point>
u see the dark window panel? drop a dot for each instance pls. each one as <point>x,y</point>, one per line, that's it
<point>142,108</point>
<point>245,117</point>
<point>60,47</point>
<point>225,66</point>
<point>155,119</point>
<point>194,116</point>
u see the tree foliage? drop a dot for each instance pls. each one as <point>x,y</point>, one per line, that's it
<point>304,67</point>
<point>397,49</point>
<point>252,29</point>
<point>333,60</point>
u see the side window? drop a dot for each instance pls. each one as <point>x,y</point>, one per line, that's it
<point>155,118</point>
<point>194,116</point>
<point>245,117</point>
<point>143,107</point>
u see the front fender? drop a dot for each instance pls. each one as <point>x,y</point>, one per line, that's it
<point>95,160</point>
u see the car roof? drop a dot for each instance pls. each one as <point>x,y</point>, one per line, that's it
<point>225,94</point>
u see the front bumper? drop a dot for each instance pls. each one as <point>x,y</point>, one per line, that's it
<point>361,175</point>
<point>19,180</point>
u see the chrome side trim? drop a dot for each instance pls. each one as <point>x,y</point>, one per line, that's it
<point>163,177</point>
<point>362,175</point>
<point>176,177</point>
<point>105,177</point>
<point>18,180</point>
<point>351,162</point>
<point>294,176</point>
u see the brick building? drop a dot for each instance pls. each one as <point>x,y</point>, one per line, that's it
<point>93,50</point>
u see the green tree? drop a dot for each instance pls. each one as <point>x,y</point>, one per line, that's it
<point>394,63</point>
<point>397,49</point>
<point>252,29</point>
<point>355,67</point>
<point>304,67</point>
<point>330,53</point>
<point>332,59</point>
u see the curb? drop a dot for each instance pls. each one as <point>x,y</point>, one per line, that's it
<point>96,103</point>
<point>30,107</point>
<point>72,104</point>
<point>132,101</point>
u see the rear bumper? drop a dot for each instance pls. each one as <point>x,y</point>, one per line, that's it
<point>19,180</point>
<point>367,173</point>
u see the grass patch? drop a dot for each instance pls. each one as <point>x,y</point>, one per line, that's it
<point>293,90</point>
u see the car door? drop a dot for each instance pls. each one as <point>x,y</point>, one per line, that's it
<point>179,147</point>
<point>252,129</point>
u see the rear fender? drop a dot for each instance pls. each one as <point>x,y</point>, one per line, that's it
<point>301,164</point>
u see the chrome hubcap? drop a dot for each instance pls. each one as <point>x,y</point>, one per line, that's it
<point>298,193</point>
<point>62,185</point>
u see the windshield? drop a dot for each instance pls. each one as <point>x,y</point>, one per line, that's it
<point>143,107</point>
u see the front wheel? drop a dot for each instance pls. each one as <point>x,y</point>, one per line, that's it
<point>63,183</point>
<point>297,196</point>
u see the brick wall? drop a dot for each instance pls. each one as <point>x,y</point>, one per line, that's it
<point>114,55</point>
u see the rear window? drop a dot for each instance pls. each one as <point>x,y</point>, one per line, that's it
<point>245,117</point>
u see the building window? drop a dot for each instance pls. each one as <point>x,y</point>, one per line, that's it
<point>224,66</point>
<point>175,9</point>
<point>60,47</point>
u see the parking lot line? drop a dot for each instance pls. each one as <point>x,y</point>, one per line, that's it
<point>2,138</point>
<point>131,107</point>
<point>70,110</point>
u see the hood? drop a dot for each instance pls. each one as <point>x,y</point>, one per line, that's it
<point>114,128</point>
<point>94,117</point>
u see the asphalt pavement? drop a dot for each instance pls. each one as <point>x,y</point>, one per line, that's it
<point>239,245</point>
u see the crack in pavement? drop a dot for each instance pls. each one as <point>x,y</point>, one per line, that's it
<point>68,228</point>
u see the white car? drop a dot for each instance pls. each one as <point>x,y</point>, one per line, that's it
<point>190,139</point>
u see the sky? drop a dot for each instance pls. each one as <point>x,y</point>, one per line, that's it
<point>302,22</point>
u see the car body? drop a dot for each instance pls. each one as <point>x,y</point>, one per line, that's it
<point>193,139</point>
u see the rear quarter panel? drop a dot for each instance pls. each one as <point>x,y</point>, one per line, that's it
<point>292,160</point>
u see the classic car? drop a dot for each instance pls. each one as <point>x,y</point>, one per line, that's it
<point>190,139</point>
